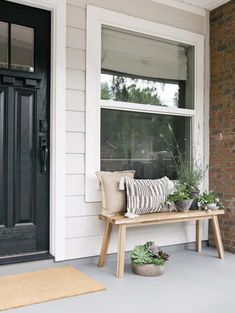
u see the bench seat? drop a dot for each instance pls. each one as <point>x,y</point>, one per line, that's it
<point>153,219</point>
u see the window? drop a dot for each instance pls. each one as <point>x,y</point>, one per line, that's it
<point>131,140</point>
<point>3,44</point>
<point>145,69</point>
<point>16,47</point>
<point>121,87</point>
<point>141,77</point>
<point>151,72</point>
<point>22,48</point>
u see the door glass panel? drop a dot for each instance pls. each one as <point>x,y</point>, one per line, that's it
<point>22,48</point>
<point>3,45</point>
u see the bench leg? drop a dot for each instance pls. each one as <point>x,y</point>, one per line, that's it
<point>198,236</point>
<point>217,234</point>
<point>105,244</point>
<point>121,251</point>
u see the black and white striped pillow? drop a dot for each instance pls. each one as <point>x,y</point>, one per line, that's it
<point>146,195</point>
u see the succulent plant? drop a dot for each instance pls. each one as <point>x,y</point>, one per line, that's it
<point>153,249</point>
<point>163,255</point>
<point>158,261</point>
<point>140,255</point>
<point>148,253</point>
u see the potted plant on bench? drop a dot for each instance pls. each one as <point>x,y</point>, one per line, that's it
<point>182,198</point>
<point>189,173</point>
<point>148,260</point>
<point>209,201</point>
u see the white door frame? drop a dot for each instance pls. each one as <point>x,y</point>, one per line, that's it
<point>57,121</point>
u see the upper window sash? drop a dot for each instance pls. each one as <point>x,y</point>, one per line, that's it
<point>141,68</point>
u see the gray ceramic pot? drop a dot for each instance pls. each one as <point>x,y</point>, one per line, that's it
<point>212,206</point>
<point>148,270</point>
<point>194,195</point>
<point>183,205</point>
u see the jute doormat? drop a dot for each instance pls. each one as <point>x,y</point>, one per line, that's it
<point>45,285</point>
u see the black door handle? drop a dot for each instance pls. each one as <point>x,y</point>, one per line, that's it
<point>44,159</point>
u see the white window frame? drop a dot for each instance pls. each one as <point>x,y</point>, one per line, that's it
<point>96,17</point>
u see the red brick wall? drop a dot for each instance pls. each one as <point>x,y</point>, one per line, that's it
<point>222,115</point>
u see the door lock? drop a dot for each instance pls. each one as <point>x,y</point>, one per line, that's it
<point>43,154</point>
<point>43,126</point>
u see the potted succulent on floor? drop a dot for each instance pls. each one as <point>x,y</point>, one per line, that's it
<point>148,260</point>
<point>182,198</point>
<point>209,201</point>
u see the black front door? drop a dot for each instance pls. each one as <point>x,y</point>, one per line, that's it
<point>24,129</point>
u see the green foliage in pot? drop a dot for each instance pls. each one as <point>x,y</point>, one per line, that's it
<point>149,253</point>
<point>188,172</point>
<point>183,192</point>
<point>209,198</point>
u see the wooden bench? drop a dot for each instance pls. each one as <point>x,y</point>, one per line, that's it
<point>152,219</point>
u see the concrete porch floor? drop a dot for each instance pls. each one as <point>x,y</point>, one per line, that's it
<point>193,283</point>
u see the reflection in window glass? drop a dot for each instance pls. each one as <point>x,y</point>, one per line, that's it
<point>145,69</point>
<point>3,45</point>
<point>138,90</point>
<point>131,140</point>
<point>22,48</point>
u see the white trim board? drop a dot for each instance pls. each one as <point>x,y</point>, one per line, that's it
<point>145,108</point>
<point>96,17</point>
<point>216,3</point>
<point>57,121</point>
<point>199,9</point>
<point>182,6</point>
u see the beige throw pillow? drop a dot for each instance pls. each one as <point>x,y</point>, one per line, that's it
<point>113,199</point>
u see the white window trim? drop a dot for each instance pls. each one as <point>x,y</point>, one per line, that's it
<point>96,17</point>
<point>145,108</point>
<point>57,121</point>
